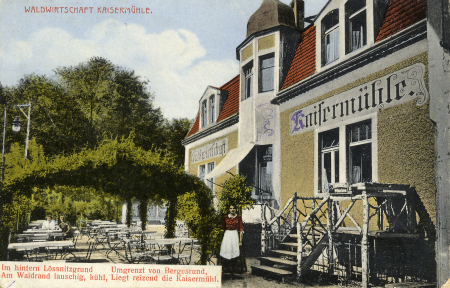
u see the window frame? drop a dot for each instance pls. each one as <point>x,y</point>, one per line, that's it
<point>344,151</point>
<point>264,71</point>
<point>330,29</point>
<point>350,16</point>
<point>207,181</point>
<point>204,114</point>
<point>248,78</point>
<point>200,167</point>
<point>212,109</point>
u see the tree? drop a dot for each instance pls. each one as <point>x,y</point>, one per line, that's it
<point>56,120</point>
<point>115,101</point>
<point>235,191</point>
<point>175,131</point>
<point>107,169</point>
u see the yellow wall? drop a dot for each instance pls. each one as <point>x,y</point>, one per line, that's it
<point>406,151</point>
<point>232,143</point>
<point>405,146</point>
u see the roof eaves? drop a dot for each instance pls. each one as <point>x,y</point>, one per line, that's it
<point>218,126</point>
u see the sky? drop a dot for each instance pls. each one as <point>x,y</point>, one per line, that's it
<point>180,46</point>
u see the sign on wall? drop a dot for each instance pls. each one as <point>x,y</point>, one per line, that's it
<point>396,88</point>
<point>215,149</point>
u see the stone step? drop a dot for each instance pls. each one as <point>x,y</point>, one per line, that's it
<point>279,261</point>
<point>285,252</point>
<point>309,236</point>
<point>267,271</point>
<point>272,270</point>
<point>290,244</point>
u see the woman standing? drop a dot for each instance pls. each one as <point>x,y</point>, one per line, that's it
<point>231,250</point>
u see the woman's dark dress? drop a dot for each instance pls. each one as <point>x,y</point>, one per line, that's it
<point>238,264</point>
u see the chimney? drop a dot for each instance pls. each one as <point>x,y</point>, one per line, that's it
<point>299,11</point>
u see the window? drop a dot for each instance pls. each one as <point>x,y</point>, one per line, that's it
<point>204,115</point>
<point>210,182</point>
<point>212,109</point>
<point>265,171</point>
<point>201,172</point>
<point>330,37</point>
<point>359,141</point>
<point>248,80</point>
<point>267,69</point>
<point>355,17</point>
<point>329,158</point>
<point>357,161</point>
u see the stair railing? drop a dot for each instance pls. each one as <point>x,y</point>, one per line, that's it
<point>274,230</point>
<point>307,230</point>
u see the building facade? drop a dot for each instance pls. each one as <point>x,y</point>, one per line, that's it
<point>344,97</point>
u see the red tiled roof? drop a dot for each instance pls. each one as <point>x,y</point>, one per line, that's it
<point>304,62</point>
<point>194,128</point>
<point>230,107</point>
<point>401,14</point>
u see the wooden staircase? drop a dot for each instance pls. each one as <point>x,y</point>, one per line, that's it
<point>286,261</point>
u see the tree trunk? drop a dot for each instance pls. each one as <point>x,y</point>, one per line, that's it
<point>143,211</point>
<point>129,213</point>
<point>171,215</point>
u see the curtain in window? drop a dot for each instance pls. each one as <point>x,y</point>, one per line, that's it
<point>201,172</point>
<point>332,45</point>
<point>356,174</point>
<point>357,39</point>
<point>325,185</point>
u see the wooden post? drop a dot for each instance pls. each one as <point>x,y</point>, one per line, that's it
<point>263,238</point>
<point>299,250</point>
<point>330,236</point>
<point>294,213</point>
<point>380,217</point>
<point>365,243</point>
<point>263,229</point>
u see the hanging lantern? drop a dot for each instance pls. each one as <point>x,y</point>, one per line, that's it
<point>16,124</point>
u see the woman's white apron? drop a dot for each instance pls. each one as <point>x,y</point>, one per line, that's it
<point>230,245</point>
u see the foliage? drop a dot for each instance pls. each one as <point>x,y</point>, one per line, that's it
<point>115,102</point>
<point>119,167</point>
<point>96,142</point>
<point>175,131</point>
<point>86,103</point>
<point>197,210</point>
<point>57,123</point>
<point>235,191</point>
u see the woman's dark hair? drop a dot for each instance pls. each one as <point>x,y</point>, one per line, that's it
<point>233,204</point>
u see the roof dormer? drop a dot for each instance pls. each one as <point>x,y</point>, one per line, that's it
<point>346,27</point>
<point>210,105</point>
